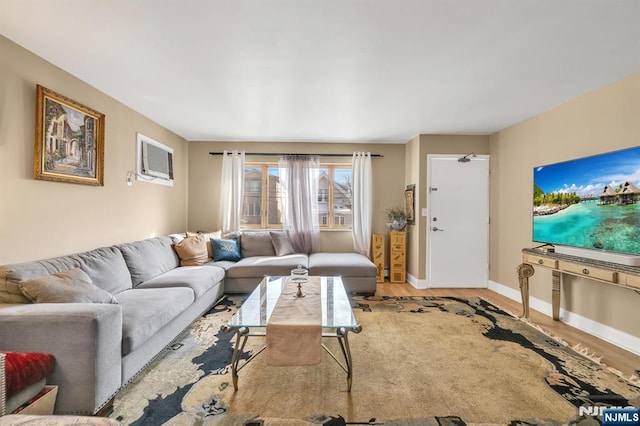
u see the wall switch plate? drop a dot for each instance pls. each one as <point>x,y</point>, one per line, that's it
<point>424,212</point>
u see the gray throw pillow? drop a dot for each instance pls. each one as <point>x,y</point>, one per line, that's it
<point>281,243</point>
<point>256,243</point>
<point>72,286</point>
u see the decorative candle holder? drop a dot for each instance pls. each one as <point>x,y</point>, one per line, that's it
<point>299,272</point>
<point>299,280</point>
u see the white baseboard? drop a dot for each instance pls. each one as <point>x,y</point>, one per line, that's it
<point>419,284</point>
<point>612,335</point>
<point>504,290</point>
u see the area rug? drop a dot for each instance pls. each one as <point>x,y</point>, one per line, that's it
<point>442,360</point>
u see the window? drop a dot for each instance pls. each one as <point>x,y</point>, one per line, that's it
<point>342,195</point>
<point>262,188</point>
<point>252,209</point>
<point>261,205</point>
<point>253,186</point>
<point>252,200</point>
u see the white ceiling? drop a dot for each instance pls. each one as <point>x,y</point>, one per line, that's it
<point>333,70</point>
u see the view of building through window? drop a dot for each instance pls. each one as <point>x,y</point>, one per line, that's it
<point>342,183</point>
<point>262,204</point>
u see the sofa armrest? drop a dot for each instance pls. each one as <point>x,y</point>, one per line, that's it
<point>84,338</point>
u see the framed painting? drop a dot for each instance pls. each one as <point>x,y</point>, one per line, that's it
<point>410,204</point>
<point>69,141</point>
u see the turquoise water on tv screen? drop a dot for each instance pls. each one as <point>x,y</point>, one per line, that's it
<point>589,225</point>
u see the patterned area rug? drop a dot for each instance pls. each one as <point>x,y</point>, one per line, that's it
<point>418,360</point>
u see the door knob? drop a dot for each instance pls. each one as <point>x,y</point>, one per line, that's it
<point>435,228</point>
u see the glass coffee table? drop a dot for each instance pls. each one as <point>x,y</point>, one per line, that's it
<point>252,317</point>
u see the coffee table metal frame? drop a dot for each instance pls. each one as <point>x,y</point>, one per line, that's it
<point>252,317</point>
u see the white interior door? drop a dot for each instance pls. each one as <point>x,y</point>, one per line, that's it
<point>458,227</point>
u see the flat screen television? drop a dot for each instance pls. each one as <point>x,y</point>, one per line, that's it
<point>590,207</point>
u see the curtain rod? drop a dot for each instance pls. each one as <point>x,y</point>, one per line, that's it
<point>373,154</point>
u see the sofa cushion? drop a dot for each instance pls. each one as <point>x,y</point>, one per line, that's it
<point>259,266</point>
<point>106,268</point>
<point>149,258</point>
<point>224,264</point>
<point>281,243</point>
<point>145,311</point>
<point>256,244</point>
<point>341,264</point>
<point>12,275</point>
<point>226,249</point>
<point>198,278</point>
<point>72,286</point>
<point>192,251</point>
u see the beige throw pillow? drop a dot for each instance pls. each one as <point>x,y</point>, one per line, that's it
<point>192,251</point>
<point>208,236</point>
<point>72,286</point>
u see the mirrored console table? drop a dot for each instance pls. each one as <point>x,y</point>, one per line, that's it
<point>562,264</point>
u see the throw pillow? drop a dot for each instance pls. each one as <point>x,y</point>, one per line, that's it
<point>226,249</point>
<point>176,238</point>
<point>23,369</point>
<point>208,236</point>
<point>256,243</point>
<point>72,286</point>
<point>192,251</point>
<point>281,243</point>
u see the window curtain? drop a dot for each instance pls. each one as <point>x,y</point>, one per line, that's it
<point>362,202</point>
<point>299,188</point>
<point>232,190</point>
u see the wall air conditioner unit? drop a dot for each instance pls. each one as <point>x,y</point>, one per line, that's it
<point>154,161</point>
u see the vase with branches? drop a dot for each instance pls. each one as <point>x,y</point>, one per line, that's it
<point>397,218</point>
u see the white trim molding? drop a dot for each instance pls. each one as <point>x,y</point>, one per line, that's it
<point>417,283</point>
<point>612,335</point>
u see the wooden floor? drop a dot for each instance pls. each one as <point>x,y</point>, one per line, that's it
<point>613,356</point>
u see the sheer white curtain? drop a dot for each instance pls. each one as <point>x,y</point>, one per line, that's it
<point>362,202</point>
<point>299,185</point>
<point>232,190</point>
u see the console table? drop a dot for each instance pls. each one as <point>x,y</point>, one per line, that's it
<point>562,264</point>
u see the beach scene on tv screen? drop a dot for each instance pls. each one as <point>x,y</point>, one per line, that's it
<point>591,202</point>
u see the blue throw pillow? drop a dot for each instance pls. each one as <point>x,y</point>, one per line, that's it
<point>225,249</point>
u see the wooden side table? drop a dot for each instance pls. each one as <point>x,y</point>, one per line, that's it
<point>377,255</point>
<point>397,248</point>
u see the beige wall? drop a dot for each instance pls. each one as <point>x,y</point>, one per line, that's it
<point>412,176</point>
<point>39,219</point>
<point>604,120</point>
<point>204,176</point>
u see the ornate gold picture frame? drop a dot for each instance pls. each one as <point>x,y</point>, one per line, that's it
<point>69,140</point>
<point>410,203</point>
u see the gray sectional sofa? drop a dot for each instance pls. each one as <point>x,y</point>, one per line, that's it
<point>100,347</point>
<point>259,258</point>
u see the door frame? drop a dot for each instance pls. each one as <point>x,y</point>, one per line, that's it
<point>428,215</point>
